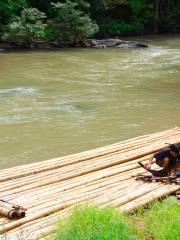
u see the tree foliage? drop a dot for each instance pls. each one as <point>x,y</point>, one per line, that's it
<point>75,20</point>
<point>114,3</point>
<point>9,8</point>
<point>71,23</point>
<point>27,28</point>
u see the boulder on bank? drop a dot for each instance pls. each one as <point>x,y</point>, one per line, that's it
<point>113,43</point>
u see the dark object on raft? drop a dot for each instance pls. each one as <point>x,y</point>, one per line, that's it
<point>174,179</point>
<point>11,211</point>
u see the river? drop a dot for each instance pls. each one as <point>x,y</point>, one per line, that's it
<point>54,103</point>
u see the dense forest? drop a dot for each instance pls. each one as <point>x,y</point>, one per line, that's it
<point>24,22</point>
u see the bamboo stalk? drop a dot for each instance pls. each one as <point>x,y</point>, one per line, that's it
<point>55,180</point>
<point>96,189</point>
<point>156,194</point>
<point>80,194</point>
<point>63,190</point>
<point>30,179</point>
<point>88,177</point>
<point>131,196</point>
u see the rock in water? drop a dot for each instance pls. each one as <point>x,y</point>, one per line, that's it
<point>115,43</point>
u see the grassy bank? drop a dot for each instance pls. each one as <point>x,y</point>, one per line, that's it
<point>88,222</point>
<point>160,221</point>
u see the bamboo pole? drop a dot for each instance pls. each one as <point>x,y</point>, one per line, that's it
<point>30,179</point>
<point>96,189</point>
<point>80,194</point>
<point>87,178</point>
<point>131,196</point>
<point>63,190</point>
<point>47,182</point>
<point>87,195</point>
<point>164,190</point>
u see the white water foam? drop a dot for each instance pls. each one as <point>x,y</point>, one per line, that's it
<point>18,90</point>
<point>156,51</point>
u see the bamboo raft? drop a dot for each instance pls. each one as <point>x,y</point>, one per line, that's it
<point>103,176</point>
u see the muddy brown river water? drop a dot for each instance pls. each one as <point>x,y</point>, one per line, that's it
<point>54,103</point>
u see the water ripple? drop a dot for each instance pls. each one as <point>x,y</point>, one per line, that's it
<point>18,90</point>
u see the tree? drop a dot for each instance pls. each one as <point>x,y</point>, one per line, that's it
<point>27,28</point>
<point>9,9</point>
<point>72,23</point>
<point>74,20</point>
<point>114,3</point>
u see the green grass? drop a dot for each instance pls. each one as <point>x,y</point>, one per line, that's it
<point>93,223</point>
<point>161,221</point>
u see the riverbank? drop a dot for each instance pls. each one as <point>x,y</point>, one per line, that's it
<point>89,43</point>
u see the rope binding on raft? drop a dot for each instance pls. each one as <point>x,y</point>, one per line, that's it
<point>11,211</point>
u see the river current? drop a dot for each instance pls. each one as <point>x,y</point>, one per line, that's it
<point>54,103</point>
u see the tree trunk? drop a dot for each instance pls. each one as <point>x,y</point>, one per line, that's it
<point>156,25</point>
